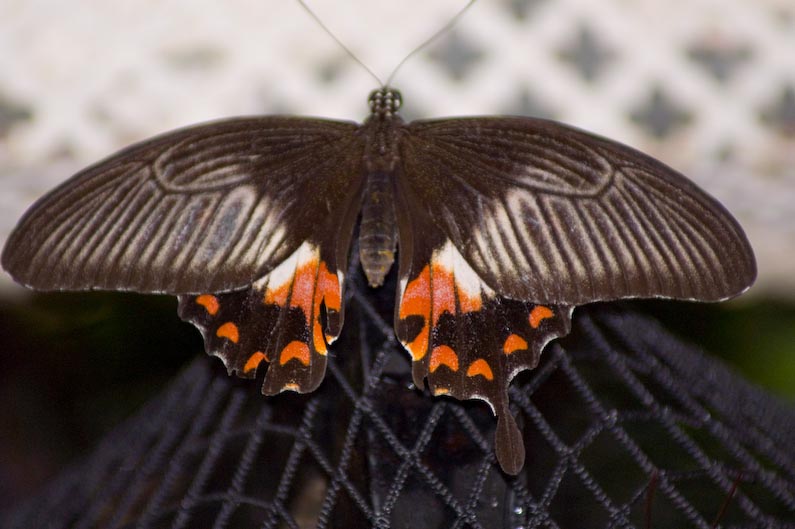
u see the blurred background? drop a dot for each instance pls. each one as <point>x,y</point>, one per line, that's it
<point>707,86</point>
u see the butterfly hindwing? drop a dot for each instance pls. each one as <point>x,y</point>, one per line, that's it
<point>467,340</point>
<point>278,320</point>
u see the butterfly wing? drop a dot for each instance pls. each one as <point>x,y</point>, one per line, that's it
<point>207,208</point>
<point>278,319</point>
<point>549,213</point>
<point>248,220</point>
<point>522,219</point>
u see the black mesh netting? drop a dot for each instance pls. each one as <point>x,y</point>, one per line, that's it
<point>624,427</point>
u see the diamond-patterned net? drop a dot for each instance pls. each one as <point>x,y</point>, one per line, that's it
<point>624,427</point>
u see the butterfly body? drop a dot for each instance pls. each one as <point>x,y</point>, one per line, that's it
<point>378,235</point>
<point>500,226</point>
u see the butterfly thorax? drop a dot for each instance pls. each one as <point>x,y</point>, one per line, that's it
<point>377,231</point>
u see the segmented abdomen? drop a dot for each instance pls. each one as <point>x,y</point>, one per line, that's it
<point>378,230</point>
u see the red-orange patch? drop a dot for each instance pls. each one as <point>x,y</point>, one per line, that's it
<point>277,295</point>
<point>328,292</point>
<point>443,355</point>
<point>253,361</point>
<point>209,302</point>
<point>229,331</point>
<point>480,367</point>
<point>419,346</point>
<point>416,301</point>
<point>514,343</point>
<point>311,285</point>
<point>442,291</point>
<point>317,337</point>
<point>297,350</point>
<point>538,314</point>
<point>469,303</point>
<point>304,288</point>
<point>328,289</point>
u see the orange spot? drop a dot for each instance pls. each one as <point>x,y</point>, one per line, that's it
<point>327,291</point>
<point>514,343</point>
<point>442,291</point>
<point>317,338</point>
<point>297,350</point>
<point>441,391</point>
<point>209,302</point>
<point>480,367</point>
<point>228,330</point>
<point>469,303</point>
<point>416,301</point>
<point>277,295</point>
<point>443,355</point>
<point>304,288</point>
<point>419,346</point>
<point>538,314</point>
<point>292,386</point>
<point>311,285</point>
<point>253,361</point>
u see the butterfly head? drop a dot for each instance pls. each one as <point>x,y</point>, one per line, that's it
<point>385,101</point>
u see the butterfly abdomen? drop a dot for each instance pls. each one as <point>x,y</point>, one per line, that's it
<point>378,232</point>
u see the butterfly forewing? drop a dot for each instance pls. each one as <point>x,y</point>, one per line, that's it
<point>548,213</point>
<point>208,208</point>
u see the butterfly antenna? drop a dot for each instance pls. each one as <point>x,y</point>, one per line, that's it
<point>444,29</point>
<point>339,42</point>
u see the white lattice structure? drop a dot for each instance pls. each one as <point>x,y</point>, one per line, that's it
<point>708,86</point>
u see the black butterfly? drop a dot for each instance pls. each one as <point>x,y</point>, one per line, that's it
<point>504,224</point>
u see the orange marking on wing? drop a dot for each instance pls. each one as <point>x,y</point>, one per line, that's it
<point>441,391</point>
<point>253,361</point>
<point>442,291</point>
<point>297,350</point>
<point>469,303</point>
<point>416,301</point>
<point>419,346</point>
<point>514,343</point>
<point>317,338</point>
<point>304,283</point>
<point>292,386</point>
<point>277,295</point>
<point>209,302</point>
<point>228,330</point>
<point>328,292</point>
<point>480,367</point>
<point>443,355</point>
<point>538,314</point>
<point>328,289</point>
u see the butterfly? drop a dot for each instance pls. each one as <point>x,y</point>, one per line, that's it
<point>500,226</point>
